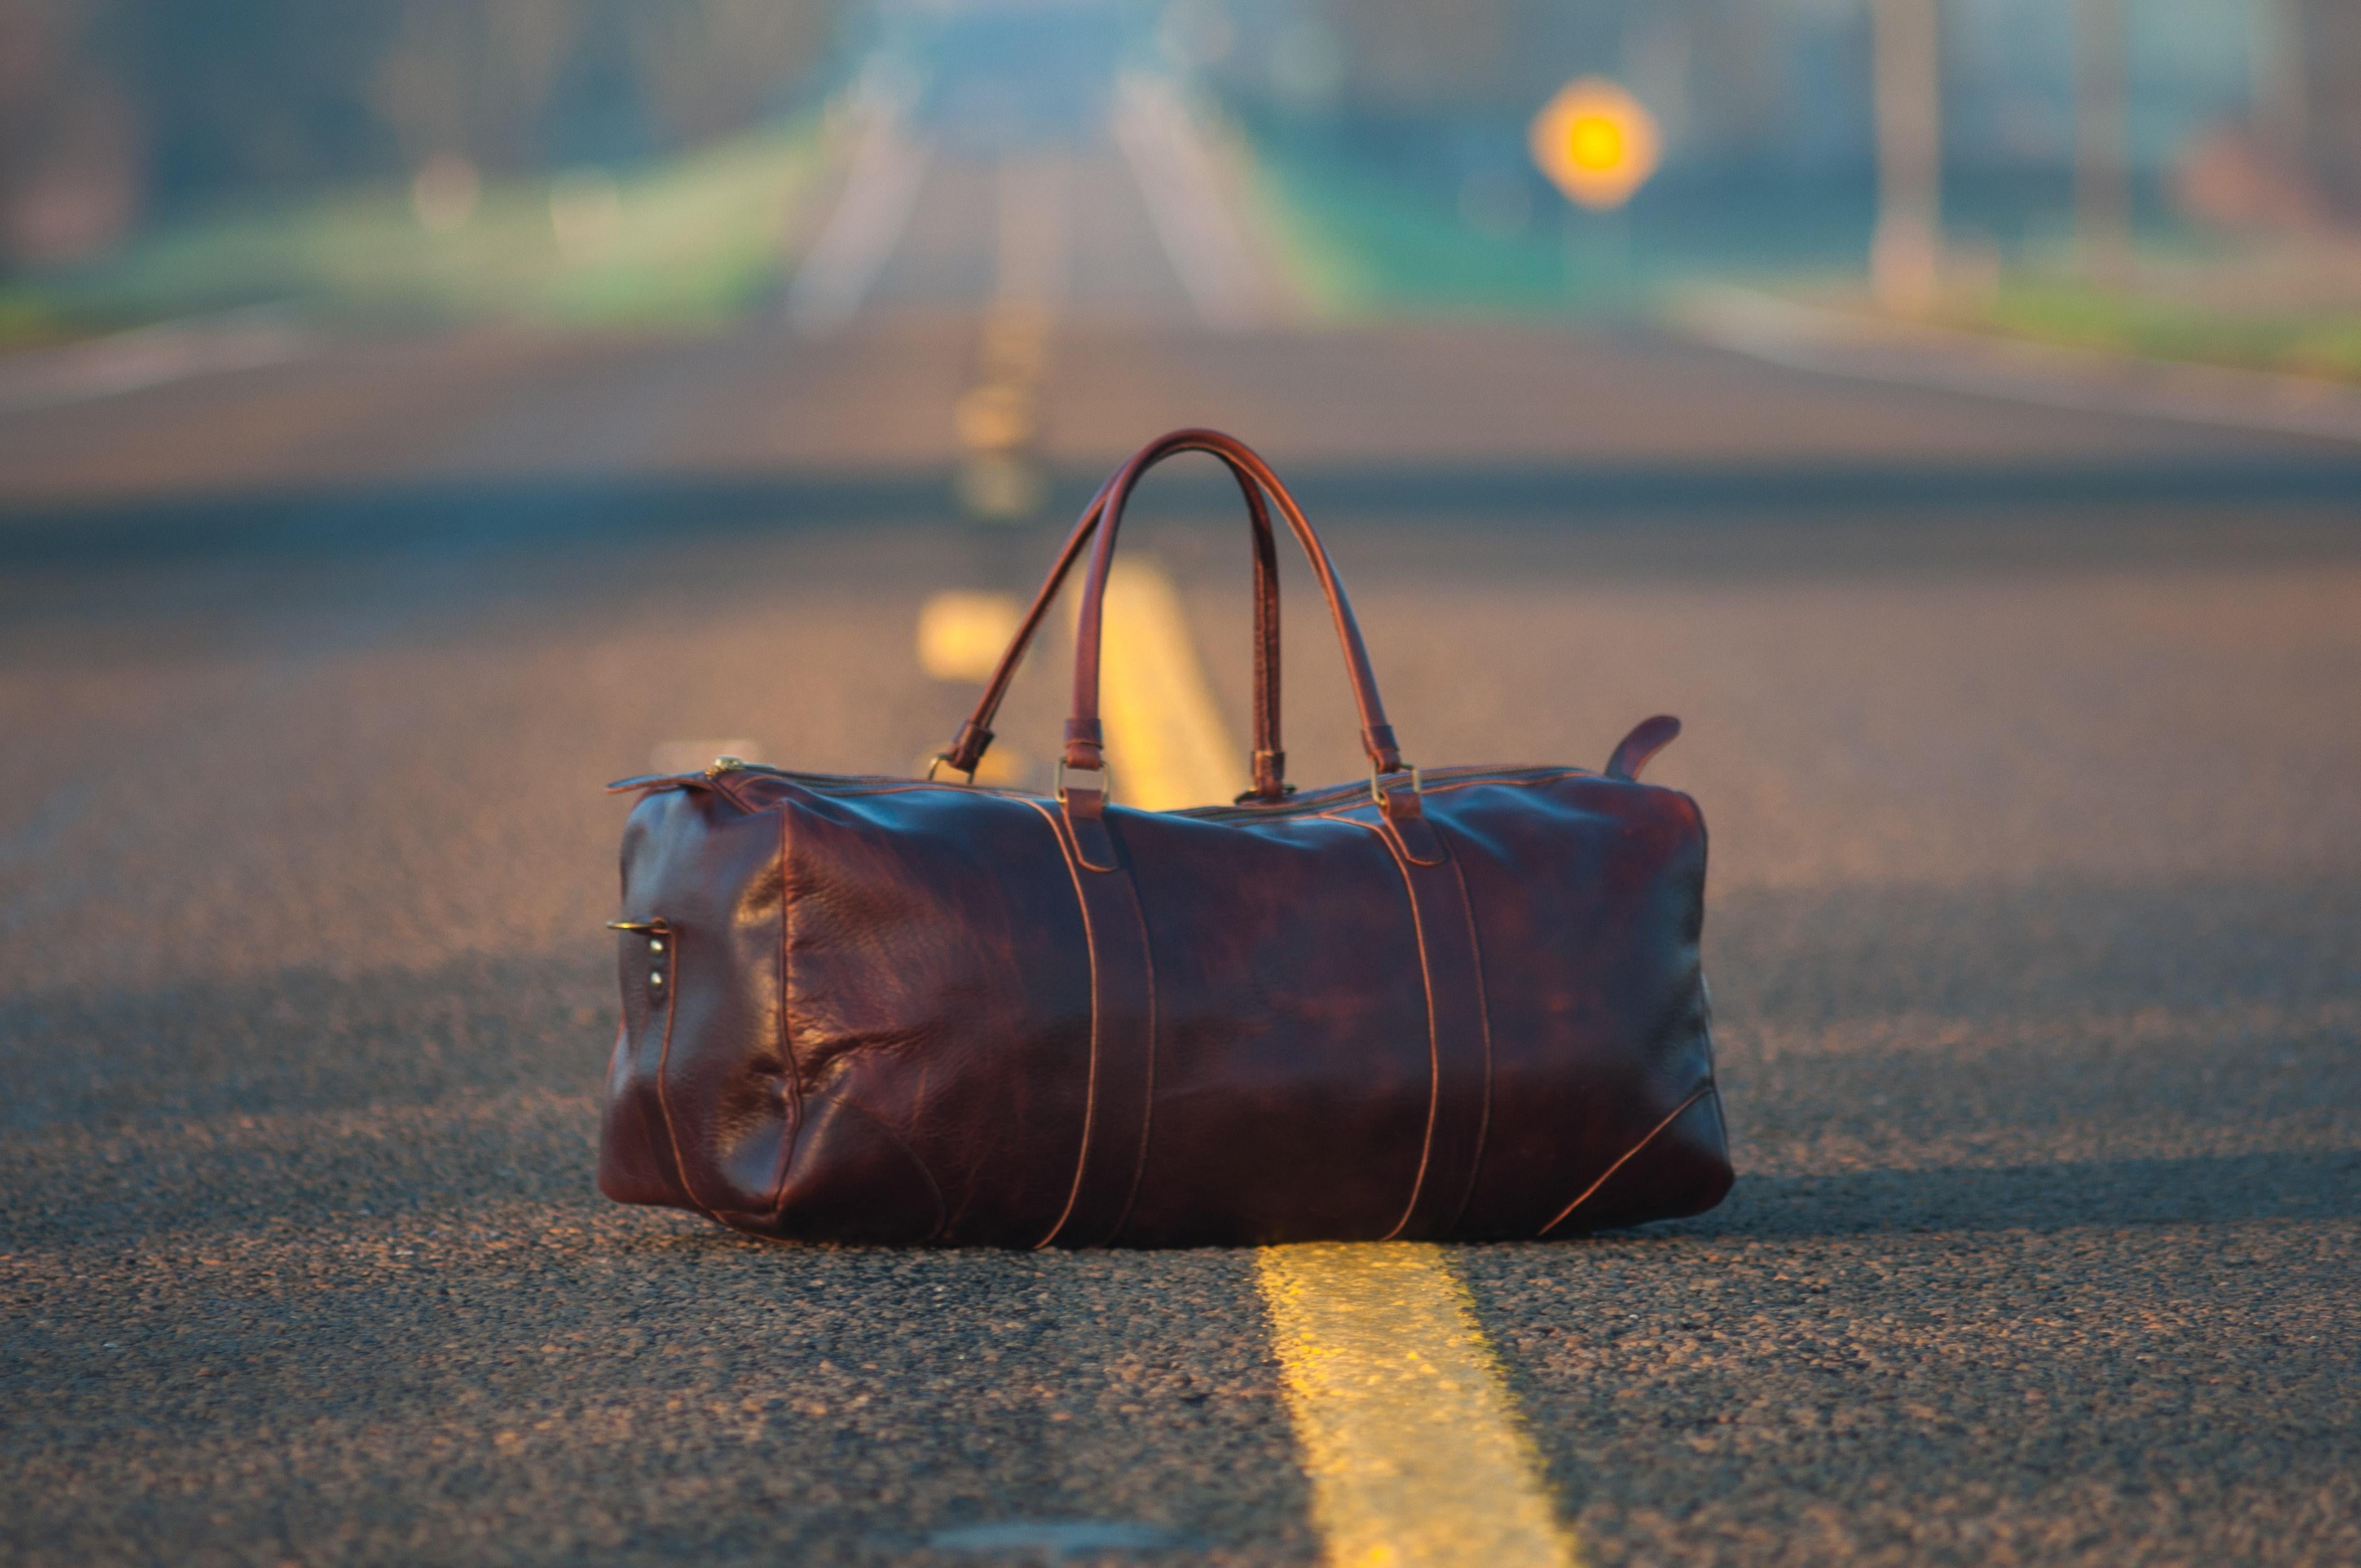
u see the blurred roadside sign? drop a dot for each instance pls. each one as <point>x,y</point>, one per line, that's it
<point>1596,142</point>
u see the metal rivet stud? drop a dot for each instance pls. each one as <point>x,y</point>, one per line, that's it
<point>655,944</point>
<point>655,977</point>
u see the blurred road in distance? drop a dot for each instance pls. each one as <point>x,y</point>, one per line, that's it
<point>2028,738</point>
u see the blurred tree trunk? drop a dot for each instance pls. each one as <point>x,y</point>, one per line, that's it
<point>2282,95</point>
<point>473,77</point>
<point>72,172</point>
<point>2102,165</point>
<point>1905,253</point>
<point>2330,38</point>
<point>710,66</point>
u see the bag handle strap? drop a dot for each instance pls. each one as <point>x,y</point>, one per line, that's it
<point>1084,739</point>
<point>1269,760</point>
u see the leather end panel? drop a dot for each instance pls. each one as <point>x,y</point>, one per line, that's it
<point>636,1158</point>
<point>852,1180</point>
<point>1684,1171</point>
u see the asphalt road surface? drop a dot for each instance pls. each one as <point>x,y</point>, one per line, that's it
<point>2029,740</point>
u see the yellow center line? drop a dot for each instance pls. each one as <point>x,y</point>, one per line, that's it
<point>1409,1434</point>
<point>1164,733</point>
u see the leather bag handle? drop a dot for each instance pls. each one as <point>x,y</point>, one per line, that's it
<point>1269,760</point>
<point>1084,738</point>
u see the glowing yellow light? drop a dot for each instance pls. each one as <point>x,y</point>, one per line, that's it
<point>1596,142</point>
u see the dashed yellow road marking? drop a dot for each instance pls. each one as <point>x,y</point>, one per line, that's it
<point>961,634</point>
<point>1410,1436</point>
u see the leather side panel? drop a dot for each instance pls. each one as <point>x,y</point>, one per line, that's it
<point>940,975</point>
<point>1293,1071</point>
<point>1123,1042</point>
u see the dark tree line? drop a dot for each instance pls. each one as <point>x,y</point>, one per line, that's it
<point>115,109</point>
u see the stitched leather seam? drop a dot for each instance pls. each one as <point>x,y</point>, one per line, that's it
<point>1433,1041</point>
<point>1345,812</point>
<point>1113,862</point>
<point>1441,786</point>
<point>1090,1098</point>
<point>1392,831</point>
<point>1707,1087</point>
<point>664,1061</point>
<point>1484,1029</point>
<point>794,1096</point>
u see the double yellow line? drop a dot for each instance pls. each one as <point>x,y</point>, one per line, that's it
<point>1410,1436</point>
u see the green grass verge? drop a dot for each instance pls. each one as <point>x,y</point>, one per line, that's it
<point>699,239</point>
<point>2306,341</point>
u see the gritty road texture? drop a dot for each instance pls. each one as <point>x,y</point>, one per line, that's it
<point>2028,740</point>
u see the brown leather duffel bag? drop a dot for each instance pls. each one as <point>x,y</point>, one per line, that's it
<point>1451,1002</point>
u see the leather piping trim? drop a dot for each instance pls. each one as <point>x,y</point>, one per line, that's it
<point>664,1061</point>
<point>903,786</point>
<point>1444,1065</point>
<point>1683,1109</point>
<point>1097,1113</point>
<point>1433,1047</point>
<point>1090,1090</point>
<point>795,1091</point>
<point>1484,1029</point>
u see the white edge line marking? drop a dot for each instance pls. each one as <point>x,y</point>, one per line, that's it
<point>1806,337</point>
<point>148,357</point>
<point>881,190</point>
<point>1184,204</point>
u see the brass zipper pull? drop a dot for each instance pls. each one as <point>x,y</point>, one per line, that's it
<point>720,765</point>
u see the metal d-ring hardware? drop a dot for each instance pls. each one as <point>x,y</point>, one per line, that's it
<point>938,759</point>
<point>656,931</point>
<point>1377,785</point>
<point>1106,781</point>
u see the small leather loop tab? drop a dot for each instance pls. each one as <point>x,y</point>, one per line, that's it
<point>1648,737</point>
<point>1414,836</point>
<point>1122,1092</point>
<point>967,751</point>
<point>1269,775</point>
<point>1385,752</point>
<point>1459,1036</point>
<point>1402,811</point>
<point>1085,812</point>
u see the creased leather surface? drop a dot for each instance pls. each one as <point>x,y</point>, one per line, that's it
<point>937,971</point>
